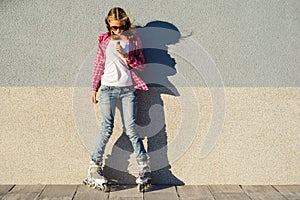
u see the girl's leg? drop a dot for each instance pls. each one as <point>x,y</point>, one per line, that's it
<point>129,111</point>
<point>108,101</point>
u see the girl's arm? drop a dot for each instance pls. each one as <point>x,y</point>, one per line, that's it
<point>98,67</point>
<point>136,58</point>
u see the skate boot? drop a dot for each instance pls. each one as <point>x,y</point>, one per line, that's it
<point>95,178</point>
<point>144,178</point>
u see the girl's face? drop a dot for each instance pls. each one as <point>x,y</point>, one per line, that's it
<point>117,26</point>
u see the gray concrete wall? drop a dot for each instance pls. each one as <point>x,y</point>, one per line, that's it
<point>226,111</point>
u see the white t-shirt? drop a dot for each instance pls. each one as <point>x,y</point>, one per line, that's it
<point>116,72</point>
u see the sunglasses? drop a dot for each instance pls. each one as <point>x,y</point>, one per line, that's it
<point>114,28</point>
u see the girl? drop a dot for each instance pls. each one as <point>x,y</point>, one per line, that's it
<point>119,55</point>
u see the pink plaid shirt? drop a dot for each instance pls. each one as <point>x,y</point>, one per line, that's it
<point>135,62</point>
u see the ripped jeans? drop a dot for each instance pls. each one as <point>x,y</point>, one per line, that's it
<point>108,103</point>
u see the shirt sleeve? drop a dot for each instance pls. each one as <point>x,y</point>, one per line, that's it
<point>98,66</point>
<point>136,57</point>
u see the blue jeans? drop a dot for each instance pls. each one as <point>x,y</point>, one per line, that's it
<point>109,96</point>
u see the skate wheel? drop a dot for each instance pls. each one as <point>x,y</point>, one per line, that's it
<point>141,187</point>
<point>148,185</point>
<point>85,182</point>
<point>105,187</point>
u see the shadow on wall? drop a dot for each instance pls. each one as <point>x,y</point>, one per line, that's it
<point>159,65</point>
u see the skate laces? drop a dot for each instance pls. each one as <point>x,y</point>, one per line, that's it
<point>100,171</point>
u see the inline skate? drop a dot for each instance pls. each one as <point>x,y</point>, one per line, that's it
<point>144,178</point>
<point>95,177</point>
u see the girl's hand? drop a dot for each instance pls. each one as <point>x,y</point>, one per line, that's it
<point>93,95</point>
<point>119,48</point>
<point>121,51</point>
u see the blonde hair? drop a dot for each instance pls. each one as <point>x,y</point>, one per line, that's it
<point>118,13</point>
